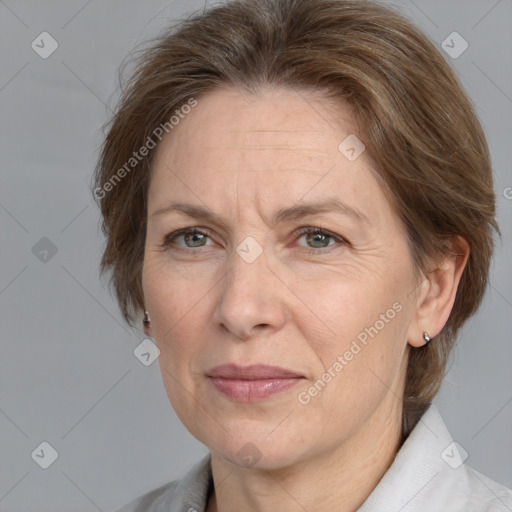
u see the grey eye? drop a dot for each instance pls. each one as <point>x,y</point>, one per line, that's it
<point>194,239</point>
<point>318,240</point>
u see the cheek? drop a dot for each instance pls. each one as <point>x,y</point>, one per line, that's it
<point>361,359</point>
<point>176,310</point>
<point>342,306</point>
<point>170,299</point>
<point>362,321</point>
<point>170,287</point>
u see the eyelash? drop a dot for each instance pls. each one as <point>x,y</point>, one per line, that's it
<point>170,238</point>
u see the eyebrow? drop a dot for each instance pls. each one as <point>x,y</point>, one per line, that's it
<point>284,214</point>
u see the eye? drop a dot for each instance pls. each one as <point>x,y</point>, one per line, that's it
<point>191,238</point>
<point>318,239</point>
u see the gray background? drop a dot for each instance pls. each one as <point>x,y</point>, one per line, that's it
<point>68,373</point>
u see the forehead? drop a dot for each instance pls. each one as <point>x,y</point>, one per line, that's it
<point>277,145</point>
<point>274,120</point>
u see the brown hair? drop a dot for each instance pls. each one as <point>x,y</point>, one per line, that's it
<point>414,118</point>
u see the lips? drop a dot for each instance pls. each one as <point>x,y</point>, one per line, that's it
<point>252,372</point>
<point>252,383</point>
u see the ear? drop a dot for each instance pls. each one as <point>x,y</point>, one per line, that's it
<point>437,294</point>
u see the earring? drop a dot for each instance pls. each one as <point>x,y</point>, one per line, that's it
<point>146,321</point>
<point>427,338</point>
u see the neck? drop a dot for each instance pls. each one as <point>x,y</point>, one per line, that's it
<point>339,480</point>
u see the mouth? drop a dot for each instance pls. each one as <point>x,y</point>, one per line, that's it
<point>252,383</point>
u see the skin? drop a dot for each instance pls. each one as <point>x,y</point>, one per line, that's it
<point>299,304</point>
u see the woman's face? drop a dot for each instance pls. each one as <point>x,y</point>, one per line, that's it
<point>331,305</point>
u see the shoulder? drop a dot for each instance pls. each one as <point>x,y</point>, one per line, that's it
<point>189,493</point>
<point>153,501</point>
<point>485,494</point>
<point>455,484</point>
<point>429,472</point>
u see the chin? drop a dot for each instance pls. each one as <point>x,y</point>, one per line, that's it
<point>254,448</point>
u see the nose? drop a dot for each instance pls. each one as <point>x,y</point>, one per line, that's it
<point>250,298</point>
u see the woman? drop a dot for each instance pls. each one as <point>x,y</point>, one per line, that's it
<point>297,196</point>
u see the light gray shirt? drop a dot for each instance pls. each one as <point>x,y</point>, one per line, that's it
<point>428,474</point>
